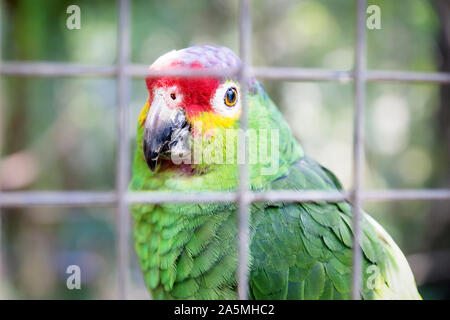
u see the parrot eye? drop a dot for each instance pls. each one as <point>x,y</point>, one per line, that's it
<point>173,96</point>
<point>227,100</point>
<point>230,97</point>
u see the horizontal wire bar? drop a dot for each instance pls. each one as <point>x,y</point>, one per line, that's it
<point>18,199</point>
<point>297,196</point>
<point>55,69</point>
<point>180,197</point>
<point>142,71</point>
<point>398,195</point>
<point>407,76</point>
<point>301,74</point>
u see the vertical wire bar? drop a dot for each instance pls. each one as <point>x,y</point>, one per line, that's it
<point>2,282</point>
<point>358,144</point>
<point>243,201</point>
<point>122,166</point>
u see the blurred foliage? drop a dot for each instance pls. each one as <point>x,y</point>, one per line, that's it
<point>59,134</point>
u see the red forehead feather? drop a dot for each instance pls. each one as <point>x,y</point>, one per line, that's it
<point>197,92</point>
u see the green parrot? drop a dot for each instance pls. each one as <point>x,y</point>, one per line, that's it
<point>187,142</point>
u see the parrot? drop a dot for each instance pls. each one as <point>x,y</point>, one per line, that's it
<point>297,250</point>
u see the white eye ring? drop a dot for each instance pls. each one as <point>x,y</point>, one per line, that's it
<point>219,104</point>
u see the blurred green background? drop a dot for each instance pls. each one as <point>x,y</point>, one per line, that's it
<point>59,133</point>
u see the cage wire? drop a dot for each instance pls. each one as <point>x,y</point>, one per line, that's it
<point>121,198</point>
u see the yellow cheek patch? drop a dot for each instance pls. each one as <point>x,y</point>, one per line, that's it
<point>143,114</point>
<point>210,120</point>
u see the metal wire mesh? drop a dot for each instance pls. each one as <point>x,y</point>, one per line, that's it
<point>120,198</point>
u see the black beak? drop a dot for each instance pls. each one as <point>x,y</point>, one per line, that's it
<point>164,129</point>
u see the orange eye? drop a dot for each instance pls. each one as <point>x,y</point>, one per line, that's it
<point>230,97</point>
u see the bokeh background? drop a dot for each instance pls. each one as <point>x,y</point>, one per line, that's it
<point>59,133</point>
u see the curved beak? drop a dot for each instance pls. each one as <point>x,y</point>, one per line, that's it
<point>166,132</point>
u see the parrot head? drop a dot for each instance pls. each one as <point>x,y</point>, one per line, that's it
<point>184,112</point>
<point>179,109</point>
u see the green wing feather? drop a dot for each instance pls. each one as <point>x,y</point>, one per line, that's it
<point>304,250</point>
